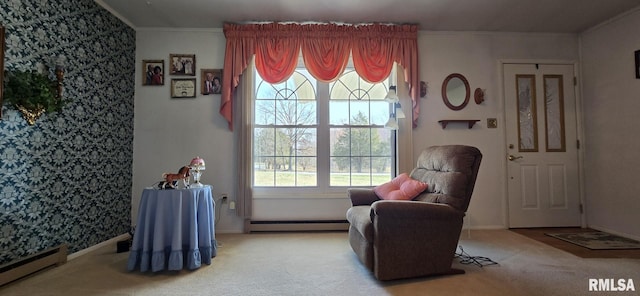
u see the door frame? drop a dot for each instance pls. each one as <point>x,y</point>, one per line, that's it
<point>579,132</point>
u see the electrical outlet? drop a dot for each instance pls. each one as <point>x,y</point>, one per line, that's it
<point>232,205</point>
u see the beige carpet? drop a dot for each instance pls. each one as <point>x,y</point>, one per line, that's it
<point>323,264</point>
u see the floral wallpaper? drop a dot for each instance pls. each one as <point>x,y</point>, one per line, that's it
<point>67,179</point>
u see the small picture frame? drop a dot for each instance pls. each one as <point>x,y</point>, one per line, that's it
<point>211,81</point>
<point>182,64</point>
<point>637,64</point>
<point>183,88</point>
<point>153,72</point>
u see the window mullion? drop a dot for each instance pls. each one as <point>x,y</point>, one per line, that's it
<point>323,132</point>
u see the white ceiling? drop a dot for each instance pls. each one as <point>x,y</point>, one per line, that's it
<point>554,16</point>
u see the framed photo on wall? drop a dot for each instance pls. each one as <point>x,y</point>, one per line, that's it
<point>638,64</point>
<point>182,64</point>
<point>153,72</point>
<point>183,88</point>
<point>211,81</point>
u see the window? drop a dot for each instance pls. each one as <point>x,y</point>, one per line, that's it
<point>360,146</point>
<point>317,135</point>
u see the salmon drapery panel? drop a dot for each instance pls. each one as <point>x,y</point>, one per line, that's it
<point>373,53</point>
<point>241,46</point>
<point>325,50</point>
<point>378,46</point>
<point>277,53</point>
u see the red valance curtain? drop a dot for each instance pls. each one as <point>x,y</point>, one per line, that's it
<point>325,50</point>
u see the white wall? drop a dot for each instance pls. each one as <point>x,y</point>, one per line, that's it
<point>168,132</point>
<point>611,106</point>
<point>476,56</point>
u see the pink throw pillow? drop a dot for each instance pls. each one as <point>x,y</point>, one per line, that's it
<point>401,187</point>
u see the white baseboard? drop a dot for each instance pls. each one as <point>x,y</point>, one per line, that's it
<point>302,225</point>
<point>228,231</point>
<point>485,227</point>
<point>98,246</point>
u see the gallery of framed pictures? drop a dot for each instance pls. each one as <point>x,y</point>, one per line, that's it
<point>182,65</point>
<point>153,72</point>
<point>210,81</point>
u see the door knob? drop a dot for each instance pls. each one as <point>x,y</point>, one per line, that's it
<point>512,158</point>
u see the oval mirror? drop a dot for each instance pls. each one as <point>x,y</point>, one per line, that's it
<point>455,91</point>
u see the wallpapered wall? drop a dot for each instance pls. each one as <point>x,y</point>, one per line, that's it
<point>67,179</point>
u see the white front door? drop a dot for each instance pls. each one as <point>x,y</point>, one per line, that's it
<point>542,165</point>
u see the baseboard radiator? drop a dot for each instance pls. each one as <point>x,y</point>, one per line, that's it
<point>299,225</point>
<point>25,266</point>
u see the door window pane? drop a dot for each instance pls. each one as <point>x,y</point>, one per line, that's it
<point>527,120</point>
<point>554,113</point>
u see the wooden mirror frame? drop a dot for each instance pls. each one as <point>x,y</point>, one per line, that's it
<point>445,98</point>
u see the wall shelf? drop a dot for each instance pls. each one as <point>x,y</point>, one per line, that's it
<point>470,122</point>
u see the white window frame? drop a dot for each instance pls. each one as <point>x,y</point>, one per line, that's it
<point>323,189</point>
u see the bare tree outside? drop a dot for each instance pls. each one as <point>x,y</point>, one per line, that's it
<point>287,129</point>
<point>285,140</point>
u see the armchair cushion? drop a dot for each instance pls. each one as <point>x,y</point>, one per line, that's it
<point>362,196</point>
<point>401,187</point>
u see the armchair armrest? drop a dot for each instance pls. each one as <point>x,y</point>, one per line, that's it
<point>406,232</point>
<point>414,210</point>
<point>361,196</point>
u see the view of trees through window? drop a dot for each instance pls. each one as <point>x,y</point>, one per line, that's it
<point>314,134</point>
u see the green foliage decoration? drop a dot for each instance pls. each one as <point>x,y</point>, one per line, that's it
<point>32,91</point>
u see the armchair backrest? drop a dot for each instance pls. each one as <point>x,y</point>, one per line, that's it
<point>451,172</point>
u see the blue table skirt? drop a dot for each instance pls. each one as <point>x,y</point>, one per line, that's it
<point>174,259</point>
<point>175,229</point>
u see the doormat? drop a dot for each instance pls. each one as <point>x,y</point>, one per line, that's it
<point>597,240</point>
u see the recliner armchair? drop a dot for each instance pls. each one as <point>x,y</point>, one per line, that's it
<point>405,239</point>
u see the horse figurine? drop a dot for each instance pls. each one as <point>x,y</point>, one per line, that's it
<point>170,180</point>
